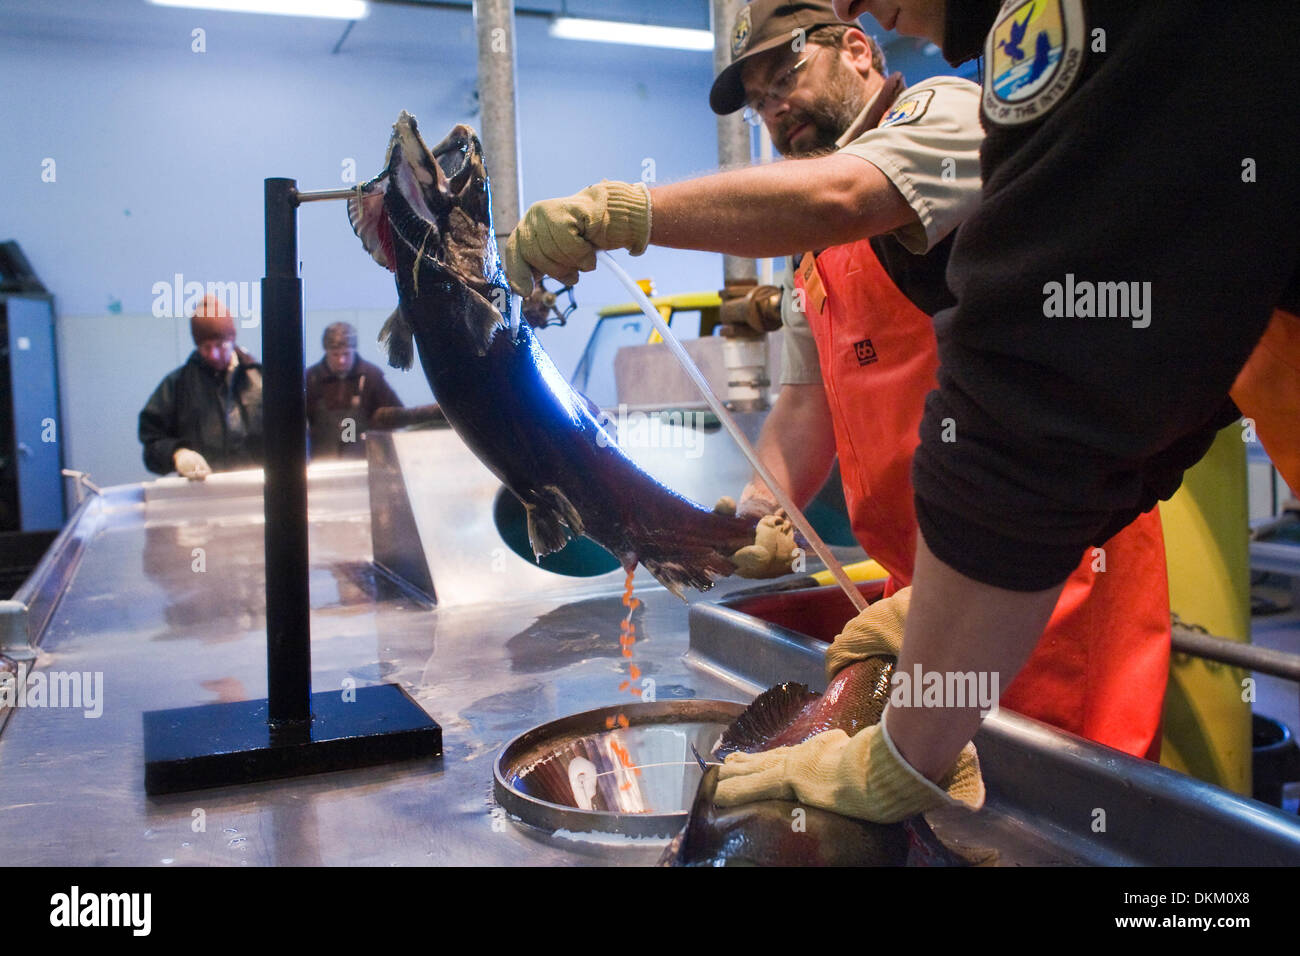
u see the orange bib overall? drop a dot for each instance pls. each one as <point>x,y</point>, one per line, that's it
<point>1100,668</point>
<point>1268,392</point>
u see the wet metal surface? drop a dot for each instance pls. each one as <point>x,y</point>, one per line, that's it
<point>167,604</point>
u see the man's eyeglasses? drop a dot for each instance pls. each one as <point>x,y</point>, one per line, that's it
<point>780,88</point>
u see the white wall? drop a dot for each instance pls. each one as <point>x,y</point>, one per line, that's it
<point>160,153</point>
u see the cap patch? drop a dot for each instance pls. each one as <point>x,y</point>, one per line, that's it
<point>741,34</point>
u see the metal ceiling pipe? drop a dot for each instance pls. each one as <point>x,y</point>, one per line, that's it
<point>495,23</point>
<point>734,147</point>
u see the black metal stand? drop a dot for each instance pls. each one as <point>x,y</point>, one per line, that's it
<point>293,731</point>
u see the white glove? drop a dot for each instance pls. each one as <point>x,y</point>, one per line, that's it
<point>190,464</point>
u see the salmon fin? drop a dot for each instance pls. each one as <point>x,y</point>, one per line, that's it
<point>697,838</point>
<point>924,848</point>
<point>483,319</point>
<point>551,520</point>
<point>370,221</point>
<point>398,341</point>
<point>698,571</point>
<point>771,713</point>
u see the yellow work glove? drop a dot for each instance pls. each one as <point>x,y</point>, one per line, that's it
<point>863,776</point>
<point>559,237</point>
<point>773,551</point>
<point>875,632</point>
<point>190,464</point>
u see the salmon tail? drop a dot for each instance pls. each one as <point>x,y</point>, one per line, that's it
<point>771,713</point>
<point>397,340</point>
<point>697,571</point>
<point>551,520</point>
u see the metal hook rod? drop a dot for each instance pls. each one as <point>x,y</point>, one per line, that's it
<point>353,192</point>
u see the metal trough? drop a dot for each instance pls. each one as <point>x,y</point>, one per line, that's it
<point>1069,799</point>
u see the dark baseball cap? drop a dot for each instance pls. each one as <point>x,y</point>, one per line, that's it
<point>762,26</point>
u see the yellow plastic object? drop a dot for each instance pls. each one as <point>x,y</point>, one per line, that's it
<point>1207,730</point>
<point>858,572</point>
<point>708,304</point>
<point>685,302</point>
<point>666,313</point>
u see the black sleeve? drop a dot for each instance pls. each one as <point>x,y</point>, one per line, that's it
<point>158,430</point>
<point>1171,163</point>
<point>1291,297</point>
<point>312,384</point>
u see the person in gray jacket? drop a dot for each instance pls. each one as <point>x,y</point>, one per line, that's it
<point>206,416</point>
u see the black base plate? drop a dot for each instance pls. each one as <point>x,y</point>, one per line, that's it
<point>193,748</point>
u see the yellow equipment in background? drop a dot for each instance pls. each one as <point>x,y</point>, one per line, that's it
<point>708,304</point>
<point>1207,722</point>
<point>859,571</point>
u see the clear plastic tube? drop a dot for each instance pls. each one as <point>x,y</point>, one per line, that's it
<point>784,500</point>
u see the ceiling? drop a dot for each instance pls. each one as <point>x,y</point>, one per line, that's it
<point>669,13</point>
<point>414,27</point>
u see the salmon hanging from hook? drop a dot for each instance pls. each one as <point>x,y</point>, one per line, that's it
<point>427,217</point>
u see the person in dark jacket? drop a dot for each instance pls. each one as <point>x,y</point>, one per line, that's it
<point>206,416</point>
<point>343,393</point>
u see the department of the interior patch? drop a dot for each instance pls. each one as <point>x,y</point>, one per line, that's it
<point>741,33</point>
<point>909,108</point>
<point>1032,59</point>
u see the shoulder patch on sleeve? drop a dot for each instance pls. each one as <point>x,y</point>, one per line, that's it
<point>909,108</point>
<point>1033,56</point>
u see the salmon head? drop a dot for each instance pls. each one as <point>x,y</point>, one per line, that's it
<point>428,218</point>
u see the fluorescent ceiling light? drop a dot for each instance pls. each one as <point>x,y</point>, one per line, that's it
<point>333,9</point>
<point>638,34</point>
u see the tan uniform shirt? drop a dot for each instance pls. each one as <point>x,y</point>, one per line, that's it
<point>928,146</point>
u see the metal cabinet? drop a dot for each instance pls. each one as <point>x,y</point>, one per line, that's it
<point>31,486</point>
